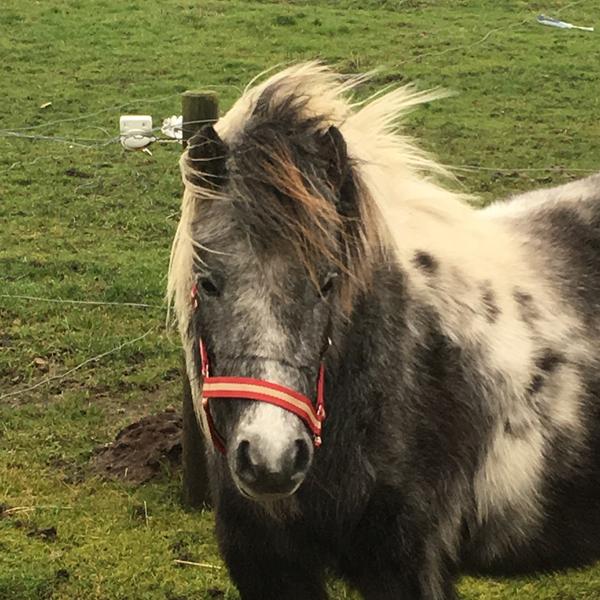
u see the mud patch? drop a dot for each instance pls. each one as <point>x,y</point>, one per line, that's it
<point>73,172</point>
<point>47,534</point>
<point>141,450</point>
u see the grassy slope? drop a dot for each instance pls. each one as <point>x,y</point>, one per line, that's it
<point>528,97</point>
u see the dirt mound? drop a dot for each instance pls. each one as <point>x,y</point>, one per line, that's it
<point>142,449</point>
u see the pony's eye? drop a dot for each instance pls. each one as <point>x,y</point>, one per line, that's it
<point>209,287</point>
<point>328,284</point>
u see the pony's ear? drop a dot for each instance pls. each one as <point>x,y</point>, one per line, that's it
<point>339,171</point>
<point>336,154</point>
<point>206,158</point>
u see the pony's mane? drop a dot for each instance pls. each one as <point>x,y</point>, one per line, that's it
<point>302,102</point>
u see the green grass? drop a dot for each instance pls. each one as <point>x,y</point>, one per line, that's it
<point>95,223</point>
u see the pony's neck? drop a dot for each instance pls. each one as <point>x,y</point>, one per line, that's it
<point>455,271</point>
<point>420,218</point>
<point>455,259</point>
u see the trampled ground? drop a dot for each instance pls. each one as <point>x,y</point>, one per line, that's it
<point>80,219</point>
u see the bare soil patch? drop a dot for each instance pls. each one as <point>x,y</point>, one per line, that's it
<point>141,450</point>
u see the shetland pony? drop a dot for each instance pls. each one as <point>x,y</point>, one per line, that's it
<point>454,352</point>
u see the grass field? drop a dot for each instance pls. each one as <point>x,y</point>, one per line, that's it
<point>80,219</point>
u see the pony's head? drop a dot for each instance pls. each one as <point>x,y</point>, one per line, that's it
<point>281,231</point>
<point>279,234</point>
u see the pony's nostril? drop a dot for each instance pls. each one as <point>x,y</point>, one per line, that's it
<point>302,457</point>
<point>244,465</point>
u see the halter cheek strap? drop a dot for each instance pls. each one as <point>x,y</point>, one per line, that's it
<point>261,391</point>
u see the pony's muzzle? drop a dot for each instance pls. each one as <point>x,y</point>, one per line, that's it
<point>263,474</point>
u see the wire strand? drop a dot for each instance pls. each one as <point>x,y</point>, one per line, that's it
<point>81,302</point>
<point>527,19</point>
<point>505,170</point>
<point>96,142</point>
<point>62,140</point>
<point>76,368</point>
<point>152,99</point>
<point>464,46</point>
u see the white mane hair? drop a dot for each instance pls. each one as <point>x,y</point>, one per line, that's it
<point>469,246</point>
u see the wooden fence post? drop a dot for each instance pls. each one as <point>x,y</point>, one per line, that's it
<point>196,489</point>
<point>198,109</point>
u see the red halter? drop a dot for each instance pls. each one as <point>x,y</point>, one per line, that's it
<point>261,391</point>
